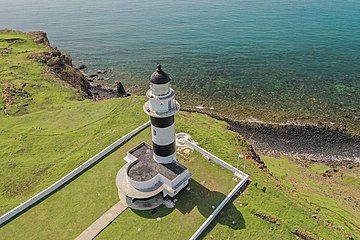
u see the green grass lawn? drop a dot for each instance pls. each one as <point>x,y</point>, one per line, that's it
<point>73,208</point>
<point>54,133</point>
<point>41,147</point>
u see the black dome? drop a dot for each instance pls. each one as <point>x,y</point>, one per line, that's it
<point>159,76</point>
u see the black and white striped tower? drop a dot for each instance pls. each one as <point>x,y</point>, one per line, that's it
<point>161,107</point>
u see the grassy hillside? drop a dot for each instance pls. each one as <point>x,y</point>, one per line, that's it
<point>42,146</point>
<point>24,82</point>
<point>50,136</point>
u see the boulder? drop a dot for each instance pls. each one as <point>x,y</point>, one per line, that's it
<point>82,67</point>
<point>67,59</point>
<point>101,71</point>
<point>93,75</point>
<point>120,90</point>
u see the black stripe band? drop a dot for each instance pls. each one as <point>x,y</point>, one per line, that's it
<point>162,122</point>
<point>164,151</point>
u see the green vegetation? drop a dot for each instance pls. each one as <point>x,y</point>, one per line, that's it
<point>334,197</point>
<point>34,87</point>
<point>45,140</point>
<point>42,146</point>
<point>1,100</point>
<point>318,168</point>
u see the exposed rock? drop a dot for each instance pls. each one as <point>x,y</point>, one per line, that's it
<point>314,143</point>
<point>10,93</point>
<point>40,38</point>
<point>120,90</point>
<point>93,75</point>
<point>61,65</point>
<point>268,218</point>
<point>330,172</point>
<point>55,62</point>
<point>101,71</point>
<point>82,67</point>
<point>332,146</point>
<point>67,59</point>
<point>303,235</point>
<point>76,79</point>
<point>257,158</point>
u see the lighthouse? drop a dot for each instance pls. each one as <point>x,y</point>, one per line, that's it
<point>152,174</point>
<point>161,107</point>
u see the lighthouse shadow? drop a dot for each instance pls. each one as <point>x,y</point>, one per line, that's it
<point>203,200</point>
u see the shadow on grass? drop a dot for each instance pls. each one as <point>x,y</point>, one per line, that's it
<point>205,201</point>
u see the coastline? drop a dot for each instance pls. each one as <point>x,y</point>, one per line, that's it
<point>333,147</point>
<point>61,65</point>
<point>313,142</point>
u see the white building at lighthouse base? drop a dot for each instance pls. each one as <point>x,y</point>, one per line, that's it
<point>144,184</point>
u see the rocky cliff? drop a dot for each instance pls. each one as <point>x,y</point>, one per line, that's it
<point>60,64</point>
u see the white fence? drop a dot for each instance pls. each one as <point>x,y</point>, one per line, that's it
<point>216,159</point>
<point>38,197</point>
<point>244,178</point>
<point>218,209</point>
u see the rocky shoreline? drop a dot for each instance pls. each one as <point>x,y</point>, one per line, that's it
<point>333,147</point>
<point>61,65</point>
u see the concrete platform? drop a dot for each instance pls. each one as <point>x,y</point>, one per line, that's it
<point>128,190</point>
<point>145,168</point>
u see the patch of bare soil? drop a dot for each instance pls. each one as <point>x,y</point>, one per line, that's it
<point>303,235</point>
<point>268,218</point>
<point>10,93</point>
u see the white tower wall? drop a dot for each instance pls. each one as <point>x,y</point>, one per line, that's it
<point>161,107</point>
<point>163,136</point>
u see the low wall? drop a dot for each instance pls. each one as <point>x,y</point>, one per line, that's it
<point>218,209</point>
<point>38,197</point>
<point>143,185</point>
<point>216,159</point>
<point>244,178</point>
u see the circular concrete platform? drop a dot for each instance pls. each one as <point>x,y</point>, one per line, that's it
<point>181,139</point>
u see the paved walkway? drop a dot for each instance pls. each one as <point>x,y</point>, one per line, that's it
<point>102,222</point>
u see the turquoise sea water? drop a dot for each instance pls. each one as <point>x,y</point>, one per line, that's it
<point>295,54</point>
